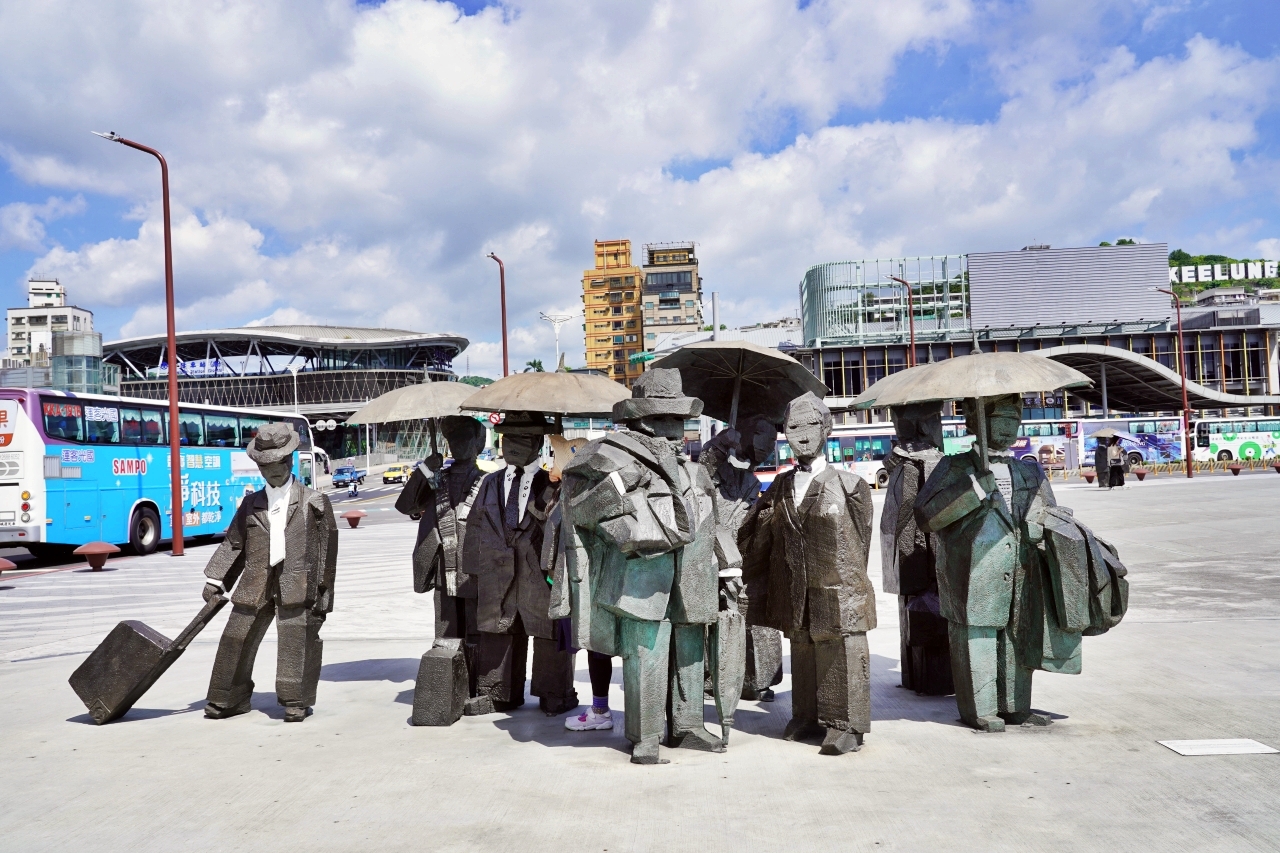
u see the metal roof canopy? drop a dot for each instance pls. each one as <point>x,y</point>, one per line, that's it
<point>1139,384</point>
<point>307,343</point>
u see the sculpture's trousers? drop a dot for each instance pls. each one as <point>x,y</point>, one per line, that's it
<point>297,656</point>
<point>500,669</point>
<point>925,651</point>
<point>662,677</point>
<point>764,660</point>
<point>988,679</point>
<point>831,681</point>
<point>456,619</point>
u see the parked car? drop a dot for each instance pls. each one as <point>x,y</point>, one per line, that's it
<point>346,475</point>
<point>396,474</point>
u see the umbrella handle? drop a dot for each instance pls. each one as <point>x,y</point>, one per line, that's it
<point>737,391</point>
<point>982,433</point>
<point>434,450</point>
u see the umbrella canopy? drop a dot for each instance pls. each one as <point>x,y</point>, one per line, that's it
<point>989,374</point>
<point>736,379</point>
<point>414,402</point>
<point>581,394</point>
<point>1107,432</point>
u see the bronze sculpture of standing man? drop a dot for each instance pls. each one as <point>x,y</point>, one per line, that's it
<point>282,547</point>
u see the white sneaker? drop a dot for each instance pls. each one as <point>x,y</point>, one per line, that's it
<point>589,721</point>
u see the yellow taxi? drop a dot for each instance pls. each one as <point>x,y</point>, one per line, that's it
<point>396,474</point>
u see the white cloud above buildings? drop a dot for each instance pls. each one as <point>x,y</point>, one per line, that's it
<point>342,164</point>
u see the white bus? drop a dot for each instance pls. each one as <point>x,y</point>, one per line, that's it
<point>1228,439</point>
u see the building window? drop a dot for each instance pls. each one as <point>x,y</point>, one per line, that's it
<point>38,320</point>
<point>688,303</point>
<point>615,297</point>
<point>631,324</point>
<point>618,355</point>
<point>648,306</point>
<point>19,321</point>
<point>617,339</point>
<point>614,281</point>
<point>597,282</point>
<point>629,295</point>
<point>617,310</point>
<point>631,339</point>
<point>649,336</point>
<point>617,324</point>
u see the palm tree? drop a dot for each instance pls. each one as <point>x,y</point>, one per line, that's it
<point>535,365</point>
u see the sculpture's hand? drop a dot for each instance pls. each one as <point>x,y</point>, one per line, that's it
<point>211,591</point>
<point>322,602</point>
<point>435,461</point>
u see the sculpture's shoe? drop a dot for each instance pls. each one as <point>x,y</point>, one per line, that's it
<point>766,695</point>
<point>646,752</point>
<point>1026,718</point>
<point>510,706</point>
<point>296,715</point>
<point>478,706</point>
<point>554,706</point>
<point>838,742</point>
<point>986,724</point>
<point>699,739</point>
<point>216,712</point>
<point>803,730</point>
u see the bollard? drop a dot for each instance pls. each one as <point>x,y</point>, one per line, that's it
<point>96,553</point>
<point>353,516</point>
<point>1140,473</point>
<point>5,565</point>
<point>1089,477</point>
<point>1235,468</point>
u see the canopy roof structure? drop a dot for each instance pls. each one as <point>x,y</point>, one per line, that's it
<point>1139,384</point>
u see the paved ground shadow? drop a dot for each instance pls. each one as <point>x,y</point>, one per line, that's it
<point>97,571</point>
<point>136,714</point>
<point>528,724</point>
<point>374,669</point>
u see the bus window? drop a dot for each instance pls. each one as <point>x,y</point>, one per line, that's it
<point>153,428</point>
<point>102,424</point>
<point>1142,427</point>
<point>190,428</point>
<point>304,434</point>
<point>130,426</point>
<point>833,450</point>
<point>249,428</point>
<point>62,420</point>
<point>784,453</point>
<point>1269,426</point>
<point>220,430</point>
<point>871,448</point>
<point>304,469</point>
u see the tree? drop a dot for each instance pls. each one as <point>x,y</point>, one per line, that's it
<point>1125,241</point>
<point>535,365</point>
<point>477,381</point>
<point>1104,243</point>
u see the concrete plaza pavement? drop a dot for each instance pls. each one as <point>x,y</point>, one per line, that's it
<point>1196,657</point>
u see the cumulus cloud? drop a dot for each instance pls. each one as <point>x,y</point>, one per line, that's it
<point>22,225</point>
<point>348,164</point>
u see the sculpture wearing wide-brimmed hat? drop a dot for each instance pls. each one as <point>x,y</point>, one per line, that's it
<point>503,551</point>
<point>641,575</point>
<point>282,548</point>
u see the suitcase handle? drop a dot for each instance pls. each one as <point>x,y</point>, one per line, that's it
<point>204,617</point>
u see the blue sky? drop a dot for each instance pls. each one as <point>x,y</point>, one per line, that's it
<point>356,164</point>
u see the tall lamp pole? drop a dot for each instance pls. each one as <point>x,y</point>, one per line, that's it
<point>911,314</point>
<point>502,289</point>
<point>175,457</point>
<point>1182,370</point>
<point>294,368</point>
<point>556,321</point>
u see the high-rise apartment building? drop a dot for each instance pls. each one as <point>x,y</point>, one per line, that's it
<point>611,310</point>
<point>672,291</point>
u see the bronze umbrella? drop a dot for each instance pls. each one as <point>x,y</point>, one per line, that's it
<point>427,401</point>
<point>739,379</point>
<point>580,394</point>
<point>988,374</point>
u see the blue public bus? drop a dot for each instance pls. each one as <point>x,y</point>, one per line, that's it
<point>77,468</point>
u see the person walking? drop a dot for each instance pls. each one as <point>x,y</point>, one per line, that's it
<point>1115,463</point>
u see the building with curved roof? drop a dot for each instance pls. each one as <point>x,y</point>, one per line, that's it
<point>338,368</point>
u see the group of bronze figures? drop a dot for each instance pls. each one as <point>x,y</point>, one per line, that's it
<point>691,574</point>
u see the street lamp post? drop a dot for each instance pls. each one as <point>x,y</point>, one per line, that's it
<point>556,321</point>
<point>911,314</point>
<point>502,289</point>
<point>294,368</point>
<point>175,457</point>
<point>1182,371</point>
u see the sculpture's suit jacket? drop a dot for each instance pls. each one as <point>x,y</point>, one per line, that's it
<point>507,564</point>
<point>445,502</point>
<point>805,565</point>
<point>311,552</point>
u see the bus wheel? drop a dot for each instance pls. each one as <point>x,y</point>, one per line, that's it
<point>1224,455</point>
<point>144,531</point>
<point>1135,460</point>
<point>882,478</point>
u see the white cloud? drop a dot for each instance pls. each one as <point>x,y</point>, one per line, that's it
<point>344,165</point>
<point>22,224</point>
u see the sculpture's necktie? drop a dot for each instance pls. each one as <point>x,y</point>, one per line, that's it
<point>511,515</point>
<point>803,467</point>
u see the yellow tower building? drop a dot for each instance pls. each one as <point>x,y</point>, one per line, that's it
<point>611,309</point>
